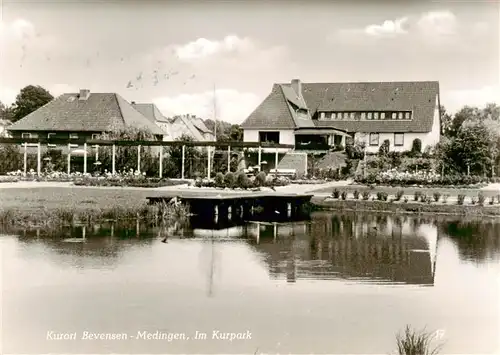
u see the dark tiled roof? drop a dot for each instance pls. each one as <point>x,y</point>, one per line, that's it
<point>418,97</point>
<point>198,123</point>
<point>272,113</point>
<point>101,112</point>
<point>151,112</point>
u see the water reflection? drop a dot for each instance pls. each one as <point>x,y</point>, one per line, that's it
<point>363,248</point>
<point>111,277</point>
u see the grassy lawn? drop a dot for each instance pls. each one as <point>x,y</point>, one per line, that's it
<point>410,190</point>
<point>72,197</point>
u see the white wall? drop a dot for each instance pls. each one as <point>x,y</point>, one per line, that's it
<point>428,138</point>
<point>286,136</point>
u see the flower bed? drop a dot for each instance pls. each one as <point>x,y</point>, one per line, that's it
<point>242,181</point>
<point>131,178</point>
<point>423,178</point>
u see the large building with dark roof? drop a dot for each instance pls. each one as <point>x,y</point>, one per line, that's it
<point>83,114</point>
<point>317,116</point>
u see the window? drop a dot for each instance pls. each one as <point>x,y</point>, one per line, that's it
<point>399,139</point>
<point>394,115</point>
<point>322,116</point>
<point>400,115</point>
<point>73,145</point>
<point>382,115</point>
<point>407,115</point>
<point>334,116</point>
<point>374,139</point>
<point>269,137</point>
<point>49,136</point>
<point>26,135</point>
<point>369,115</point>
<point>346,115</point>
<point>363,115</point>
<point>375,115</point>
<point>73,136</point>
<point>352,115</point>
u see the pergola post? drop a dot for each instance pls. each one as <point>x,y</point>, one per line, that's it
<point>39,160</point>
<point>69,159</point>
<point>85,158</point>
<point>276,158</point>
<point>139,158</point>
<point>208,162</point>
<point>183,161</point>
<point>260,158</point>
<point>160,173</point>
<point>25,158</point>
<point>113,159</point>
<point>228,158</point>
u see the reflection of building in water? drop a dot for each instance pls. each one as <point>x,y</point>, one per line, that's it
<point>348,247</point>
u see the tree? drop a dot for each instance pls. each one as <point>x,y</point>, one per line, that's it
<point>446,121</point>
<point>5,112</point>
<point>30,99</point>
<point>467,113</point>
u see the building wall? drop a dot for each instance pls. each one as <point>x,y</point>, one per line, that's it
<point>286,136</point>
<point>428,138</point>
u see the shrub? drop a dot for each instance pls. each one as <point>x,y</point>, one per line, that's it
<point>382,196</point>
<point>356,194</point>
<point>416,147</point>
<point>405,199</point>
<point>229,180</point>
<point>417,195</point>
<point>473,200</point>
<point>424,198</point>
<point>437,196</point>
<point>336,193</point>
<point>260,179</point>
<point>460,199</point>
<point>384,148</point>
<point>366,195</point>
<point>344,195</point>
<point>242,180</point>
<point>219,179</point>
<point>481,198</point>
<point>399,194</point>
<point>445,197</point>
<point>492,200</point>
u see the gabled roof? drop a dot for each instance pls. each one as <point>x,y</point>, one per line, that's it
<point>419,97</point>
<point>200,125</point>
<point>195,133</point>
<point>151,112</point>
<point>273,113</point>
<point>100,112</point>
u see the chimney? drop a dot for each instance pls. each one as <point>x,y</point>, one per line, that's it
<point>297,87</point>
<point>84,94</point>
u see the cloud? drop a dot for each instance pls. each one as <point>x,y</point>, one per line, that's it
<point>438,23</point>
<point>388,28</point>
<point>8,95</point>
<point>202,47</point>
<point>230,105</point>
<point>454,100</point>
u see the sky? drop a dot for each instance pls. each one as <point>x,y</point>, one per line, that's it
<point>177,54</point>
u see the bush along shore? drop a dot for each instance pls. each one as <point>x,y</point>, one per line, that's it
<point>154,214</point>
<point>419,202</point>
<point>241,180</point>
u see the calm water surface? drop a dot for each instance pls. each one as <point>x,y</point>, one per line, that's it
<point>336,284</point>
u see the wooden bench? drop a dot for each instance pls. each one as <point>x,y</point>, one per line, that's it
<point>283,172</point>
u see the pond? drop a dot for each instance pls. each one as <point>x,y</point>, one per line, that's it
<point>338,283</point>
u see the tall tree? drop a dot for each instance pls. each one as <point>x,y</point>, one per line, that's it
<point>30,99</point>
<point>467,113</point>
<point>5,112</point>
<point>492,111</point>
<point>446,121</point>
